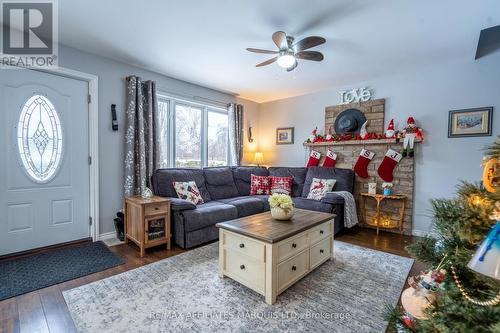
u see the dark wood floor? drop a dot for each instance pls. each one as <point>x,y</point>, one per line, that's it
<point>45,310</point>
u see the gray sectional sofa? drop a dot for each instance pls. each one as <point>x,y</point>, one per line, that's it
<point>226,192</point>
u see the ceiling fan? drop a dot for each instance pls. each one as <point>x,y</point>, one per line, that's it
<point>288,51</point>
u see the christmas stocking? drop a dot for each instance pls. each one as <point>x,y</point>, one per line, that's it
<point>313,159</point>
<point>391,159</point>
<point>330,159</point>
<point>361,166</point>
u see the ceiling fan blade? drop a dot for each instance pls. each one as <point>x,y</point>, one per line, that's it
<point>310,55</point>
<point>289,69</point>
<point>279,38</point>
<point>261,51</point>
<point>308,42</point>
<point>267,62</point>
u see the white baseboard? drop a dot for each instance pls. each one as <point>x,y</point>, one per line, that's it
<point>109,238</point>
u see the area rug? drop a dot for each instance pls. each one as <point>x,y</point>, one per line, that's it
<point>20,276</point>
<point>185,294</point>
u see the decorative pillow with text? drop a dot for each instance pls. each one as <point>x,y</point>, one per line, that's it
<point>319,188</point>
<point>281,184</point>
<point>188,191</point>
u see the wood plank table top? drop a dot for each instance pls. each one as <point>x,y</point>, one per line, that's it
<point>263,227</point>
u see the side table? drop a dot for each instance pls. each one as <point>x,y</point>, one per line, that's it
<point>147,222</point>
<point>388,223</point>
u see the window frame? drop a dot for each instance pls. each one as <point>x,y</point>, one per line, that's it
<point>172,102</point>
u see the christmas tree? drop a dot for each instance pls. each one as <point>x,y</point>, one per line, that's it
<point>465,301</point>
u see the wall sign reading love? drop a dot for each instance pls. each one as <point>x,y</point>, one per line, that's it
<point>355,95</point>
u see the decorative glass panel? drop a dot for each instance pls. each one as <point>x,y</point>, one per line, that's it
<point>39,138</point>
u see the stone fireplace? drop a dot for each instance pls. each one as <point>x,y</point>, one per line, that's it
<point>348,152</point>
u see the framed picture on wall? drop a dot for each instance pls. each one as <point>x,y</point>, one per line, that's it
<point>470,122</point>
<point>284,136</point>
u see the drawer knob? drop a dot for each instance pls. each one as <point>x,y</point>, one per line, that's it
<point>294,268</point>
<point>321,231</point>
<point>242,245</point>
<point>294,245</point>
<point>242,267</point>
<point>321,251</point>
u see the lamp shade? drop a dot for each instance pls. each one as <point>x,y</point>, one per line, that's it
<point>258,158</point>
<point>486,260</point>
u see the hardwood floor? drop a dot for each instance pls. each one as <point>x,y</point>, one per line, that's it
<point>45,310</point>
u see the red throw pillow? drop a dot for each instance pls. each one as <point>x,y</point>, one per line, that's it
<point>281,184</point>
<point>260,185</point>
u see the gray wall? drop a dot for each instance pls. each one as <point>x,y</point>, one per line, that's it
<point>427,94</point>
<point>112,91</point>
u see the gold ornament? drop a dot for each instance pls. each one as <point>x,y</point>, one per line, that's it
<point>491,174</point>
<point>492,302</point>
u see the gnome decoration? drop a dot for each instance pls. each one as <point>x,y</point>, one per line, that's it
<point>390,133</point>
<point>312,137</point>
<point>363,133</point>
<point>329,136</point>
<point>410,132</point>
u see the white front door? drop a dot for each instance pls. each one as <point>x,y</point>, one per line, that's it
<point>44,174</point>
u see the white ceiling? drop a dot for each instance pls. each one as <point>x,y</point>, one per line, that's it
<point>204,41</point>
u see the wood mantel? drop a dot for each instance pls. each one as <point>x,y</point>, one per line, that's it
<point>357,142</point>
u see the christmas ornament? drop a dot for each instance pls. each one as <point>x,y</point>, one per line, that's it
<point>410,132</point>
<point>313,159</point>
<point>330,159</point>
<point>422,292</point>
<point>362,132</point>
<point>361,166</point>
<point>496,213</point>
<point>147,193</point>
<point>386,168</point>
<point>390,133</point>
<point>491,174</point>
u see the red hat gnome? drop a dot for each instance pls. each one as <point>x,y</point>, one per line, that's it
<point>390,133</point>
<point>410,132</point>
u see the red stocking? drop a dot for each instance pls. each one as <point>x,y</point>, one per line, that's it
<point>313,159</point>
<point>391,159</point>
<point>361,166</point>
<point>330,159</point>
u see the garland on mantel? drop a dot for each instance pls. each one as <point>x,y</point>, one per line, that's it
<point>318,138</point>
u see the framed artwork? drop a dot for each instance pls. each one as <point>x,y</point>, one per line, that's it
<point>284,136</point>
<point>470,122</point>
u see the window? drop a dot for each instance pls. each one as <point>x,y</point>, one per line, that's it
<point>39,138</point>
<point>192,135</point>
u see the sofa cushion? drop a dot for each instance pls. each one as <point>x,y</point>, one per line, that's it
<point>281,184</point>
<point>265,201</point>
<point>188,191</point>
<point>298,175</point>
<point>320,187</point>
<point>260,185</point>
<point>208,214</point>
<point>311,204</point>
<point>163,179</point>
<point>220,183</point>
<point>242,177</point>
<point>344,178</point>
<point>246,205</point>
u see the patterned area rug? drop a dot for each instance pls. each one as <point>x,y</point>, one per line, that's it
<point>20,276</point>
<point>185,294</point>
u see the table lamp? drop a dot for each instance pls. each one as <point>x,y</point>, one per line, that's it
<point>258,158</point>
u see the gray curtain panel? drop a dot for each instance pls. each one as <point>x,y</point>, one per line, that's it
<point>235,115</point>
<point>141,144</point>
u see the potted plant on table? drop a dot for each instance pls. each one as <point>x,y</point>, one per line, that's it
<point>281,206</point>
<point>387,188</point>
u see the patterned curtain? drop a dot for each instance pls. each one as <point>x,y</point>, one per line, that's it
<point>141,148</point>
<point>235,115</point>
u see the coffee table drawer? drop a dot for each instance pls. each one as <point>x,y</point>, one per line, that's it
<point>247,270</point>
<point>321,252</point>
<point>320,232</point>
<point>292,269</point>
<point>288,248</point>
<point>245,245</point>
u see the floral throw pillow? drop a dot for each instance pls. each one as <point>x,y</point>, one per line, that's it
<point>319,187</point>
<point>261,185</point>
<point>188,191</point>
<point>281,184</point>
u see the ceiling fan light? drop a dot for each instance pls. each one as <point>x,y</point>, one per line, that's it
<point>286,60</point>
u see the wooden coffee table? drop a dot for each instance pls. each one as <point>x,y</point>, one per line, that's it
<point>269,256</point>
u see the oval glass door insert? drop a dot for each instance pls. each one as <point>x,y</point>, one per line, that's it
<point>39,138</point>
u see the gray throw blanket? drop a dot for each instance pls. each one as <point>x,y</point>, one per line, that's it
<point>350,213</point>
